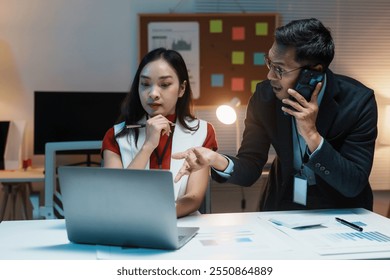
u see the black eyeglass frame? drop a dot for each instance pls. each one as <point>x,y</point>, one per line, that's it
<point>279,73</point>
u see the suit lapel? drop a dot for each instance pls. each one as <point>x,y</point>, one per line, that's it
<point>284,133</point>
<point>329,107</point>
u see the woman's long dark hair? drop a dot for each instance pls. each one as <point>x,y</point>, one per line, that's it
<point>131,107</point>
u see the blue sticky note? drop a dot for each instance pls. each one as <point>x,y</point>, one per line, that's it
<point>217,80</point>
<point>258,58</point>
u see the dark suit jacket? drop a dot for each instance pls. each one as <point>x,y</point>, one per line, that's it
<point>347,120</point>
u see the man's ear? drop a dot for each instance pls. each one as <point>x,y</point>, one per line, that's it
<point>318,68</point>
<point>182,88</point>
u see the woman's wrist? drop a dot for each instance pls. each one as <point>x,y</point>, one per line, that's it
<point>147,148</point>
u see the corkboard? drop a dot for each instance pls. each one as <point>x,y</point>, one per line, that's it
<point>231,50</point>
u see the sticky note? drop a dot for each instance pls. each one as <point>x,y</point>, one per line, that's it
<point>237,84</point>
<point>215,26</point>
<point>238,57</point>
<point>217,80</point>
<point>262,29</point>
<point>258,58</point>
<point>253,85</point>
<point>238,33</point>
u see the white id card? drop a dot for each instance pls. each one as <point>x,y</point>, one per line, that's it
<point>300,190</point>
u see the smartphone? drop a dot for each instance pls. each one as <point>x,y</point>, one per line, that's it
<point>306,82</point>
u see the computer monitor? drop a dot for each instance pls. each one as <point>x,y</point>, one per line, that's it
<point>4,126</point>
<point>73,116</point>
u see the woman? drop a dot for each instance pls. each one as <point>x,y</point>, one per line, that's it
<point>156,121</point>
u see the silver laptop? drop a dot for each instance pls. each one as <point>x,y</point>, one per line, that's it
<point>121,207</point>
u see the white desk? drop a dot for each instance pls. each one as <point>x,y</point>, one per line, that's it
<point>16,182</point>
<point>222,236</point>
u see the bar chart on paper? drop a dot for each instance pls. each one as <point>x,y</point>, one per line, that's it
<point>330,237</point>
<point>332,242</point>
<point>370,237</point>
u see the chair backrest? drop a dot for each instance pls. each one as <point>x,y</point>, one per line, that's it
<point>47,210</point>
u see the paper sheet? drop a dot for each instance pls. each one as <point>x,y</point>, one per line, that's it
<point>331,237</point>
<point>226,242</point>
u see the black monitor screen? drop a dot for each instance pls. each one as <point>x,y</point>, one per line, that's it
<point>4,125</point>
<point>73,116</point>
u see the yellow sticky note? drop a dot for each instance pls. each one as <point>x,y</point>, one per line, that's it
<point>238,57</point>
<point>261,28</point>
<point>215,26</point>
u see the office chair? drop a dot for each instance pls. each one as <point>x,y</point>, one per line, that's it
<point>52,204</point>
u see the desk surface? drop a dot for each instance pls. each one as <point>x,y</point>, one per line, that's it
<point>221,236</point>
<point>19,176</point>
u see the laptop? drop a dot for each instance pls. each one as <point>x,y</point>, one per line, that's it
<point>121,207</point>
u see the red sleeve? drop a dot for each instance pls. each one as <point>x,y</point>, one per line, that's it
<point>211,139</point>
<point>109,142</point>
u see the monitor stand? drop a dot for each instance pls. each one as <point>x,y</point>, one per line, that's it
<point>88,162</point>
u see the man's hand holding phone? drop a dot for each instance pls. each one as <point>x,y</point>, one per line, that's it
<point>305,86</point>
<point>307,81</point>
<point>304,107</point>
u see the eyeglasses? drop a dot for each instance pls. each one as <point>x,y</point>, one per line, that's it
<point>277,70</point>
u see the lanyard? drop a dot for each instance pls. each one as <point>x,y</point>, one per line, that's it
<point>160,158</point>
<point>300,148</point>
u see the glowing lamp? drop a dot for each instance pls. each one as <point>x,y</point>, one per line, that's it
<point>227,113</point>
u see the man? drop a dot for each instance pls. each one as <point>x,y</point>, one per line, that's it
<point>324,146</point>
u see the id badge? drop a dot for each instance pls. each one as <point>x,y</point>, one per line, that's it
<point>300,189</point>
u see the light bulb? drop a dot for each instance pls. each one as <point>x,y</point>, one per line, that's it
<point>226,114</point>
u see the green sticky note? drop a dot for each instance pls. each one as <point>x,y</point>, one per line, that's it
<point>261,28</point>
<point>215,26</point>
<point>253,85</point>
<point>238,57</point>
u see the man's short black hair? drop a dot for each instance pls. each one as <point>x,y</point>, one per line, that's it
<point>312,41</point>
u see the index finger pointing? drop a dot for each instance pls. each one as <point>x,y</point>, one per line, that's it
<point>179,155</point>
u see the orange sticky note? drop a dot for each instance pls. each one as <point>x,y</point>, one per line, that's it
<point>237,84</point>
<point>238,33</point>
